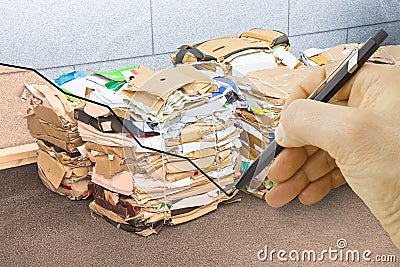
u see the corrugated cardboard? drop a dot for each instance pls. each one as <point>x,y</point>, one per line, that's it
<point>201,82</point>
<point>161,85</point>
<point>47,115</point>
<point>155,90</point>
<point>34,126</point>
<point>183,165</point>
<point>74,190</point>
<point>66,158</point>
<point>141,75</point>
<point>70,146</point>
<point>249,152</point>
<point>53,169</point>
<point>221,47</point>
<point>59,137</point>
<point>110,150</point>
<point>109,160</point>
<point>59,133</point>
<point>50,123</point>
<point>106,166</point>
<point>78,172</point>
<point>270,36</point>
<point>196,131</point>
<point>53,99</point>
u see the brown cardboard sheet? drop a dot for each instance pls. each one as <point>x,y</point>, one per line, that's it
<point>63,156</point>
<point>262,34</point>
<point>63,139</point>
<point>221,47</point>
<point>53,99</point>
<point>196,131</point>
<point>153,90</point>
<point>53,169</point>
<point>110,150</point>
<point>48,115</point>
<point>107,166</point>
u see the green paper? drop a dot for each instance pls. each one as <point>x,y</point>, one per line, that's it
<point>271,184</point>
<point>114,85</point>
<point>116,74</point>
<point>245,165</point>
<point>74,101</point>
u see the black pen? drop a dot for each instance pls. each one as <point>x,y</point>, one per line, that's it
<point>338,78</point>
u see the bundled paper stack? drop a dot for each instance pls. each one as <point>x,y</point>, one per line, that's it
<point>160,148</point>
<point>61,166</point>
<point>247,59</point>
<point>143,176</point>
<point>253,50</point>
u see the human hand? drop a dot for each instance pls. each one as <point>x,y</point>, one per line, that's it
<point>357,141</point>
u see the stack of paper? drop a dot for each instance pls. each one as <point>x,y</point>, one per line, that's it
<point>265,92</point>
<point>160,148</point>
<point>253,50</point>
<point>180,131</point>
<point>62,168</point>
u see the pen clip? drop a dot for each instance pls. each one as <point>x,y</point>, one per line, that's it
<point>353,54</point>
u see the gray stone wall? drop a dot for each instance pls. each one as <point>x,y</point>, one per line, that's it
<point>59,36</point>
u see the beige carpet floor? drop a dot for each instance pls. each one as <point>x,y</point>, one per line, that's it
<point>40,228</point>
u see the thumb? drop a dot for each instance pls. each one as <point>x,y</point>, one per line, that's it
<point>327,126</point>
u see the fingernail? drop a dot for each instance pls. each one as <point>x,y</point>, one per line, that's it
<point>279,134</point>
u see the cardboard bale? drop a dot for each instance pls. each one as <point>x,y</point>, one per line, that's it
<point>237,55</point>
<point>62,168</point>
<point>65,180</point>
<point>130,176</point>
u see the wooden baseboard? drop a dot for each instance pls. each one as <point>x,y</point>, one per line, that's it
<point>18,156</point>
